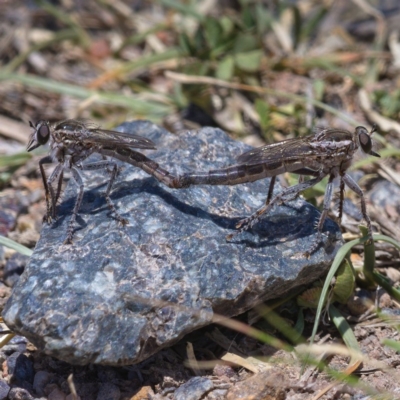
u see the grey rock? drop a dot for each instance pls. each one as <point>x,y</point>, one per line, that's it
<point>193,389</point>
<point>110,297</point>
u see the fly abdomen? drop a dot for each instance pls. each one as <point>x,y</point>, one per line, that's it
<point>226,176</point>
<point>140,160</point>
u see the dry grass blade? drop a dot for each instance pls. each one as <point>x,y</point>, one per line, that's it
<point>192,361</point>
<point>13,129</point>
<point>384,123</point>
<point>72,387</point>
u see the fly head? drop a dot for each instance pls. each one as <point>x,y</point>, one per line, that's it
<point>365,141</point>
<point>39,136</point>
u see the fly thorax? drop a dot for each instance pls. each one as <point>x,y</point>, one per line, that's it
<point>345,165</point>
<point>57,152</point>
<point>332,170</point>
<point>331,146</point>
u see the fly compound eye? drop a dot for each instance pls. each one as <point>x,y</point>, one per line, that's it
<point>43,133</point>
<point>364,139</point>
<point>365,142</point>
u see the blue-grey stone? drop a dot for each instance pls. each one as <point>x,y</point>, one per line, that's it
<point>40,380</point>
<point>21,368</point>
<point>194,389</point>
<point>384,194</point>
<point>16,344</point>
<point>18,393</point>
<point>119,294</point>
<point>14,267</point>
<point>4,390</point>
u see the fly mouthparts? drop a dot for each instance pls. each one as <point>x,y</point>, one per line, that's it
<point>373,153</point>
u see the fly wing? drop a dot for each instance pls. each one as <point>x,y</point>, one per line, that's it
<point>286,150</point>
<point>92,135</point>
<point>110,139</point>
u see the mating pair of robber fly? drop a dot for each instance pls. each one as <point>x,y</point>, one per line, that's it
<point>327,153</point>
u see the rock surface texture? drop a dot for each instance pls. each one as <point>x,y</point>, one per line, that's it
<point>119,294</point>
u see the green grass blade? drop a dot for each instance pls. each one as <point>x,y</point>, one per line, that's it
<point>14,160</point>
<point>340,256</point>
<point>344,329</point>
<point>16,246</point>
<point>187,10</point>
<point>369,264</point>
<point>394,344</point>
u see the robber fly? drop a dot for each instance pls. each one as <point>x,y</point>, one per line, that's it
<point>71,142</point>
<point>327,153</point>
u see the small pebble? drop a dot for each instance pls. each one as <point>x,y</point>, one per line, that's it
<point>194,389</point>
<point>14,267</point>
<point>360,302</point>
<point>222,370</point>
<point>21,368</point>
<point>41,379</point>
<point>19,394</point>
<point>4,390</point>
<point>108,391</point>
<point>393,274</point>
<point>385,301</point>
<point>16,344</point>
<point>56,394</point>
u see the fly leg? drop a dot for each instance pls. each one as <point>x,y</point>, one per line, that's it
<point>70,229</point>
<point>322,218</point>
<point>59,186</point>
<point>270,190</point>
<point>112,168</point>
<point>301,172</point>
<point>49,212</point>
<point>285,195</point>
<point>355,188</point>
<point>341,199</point>
<point>51,195</point>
